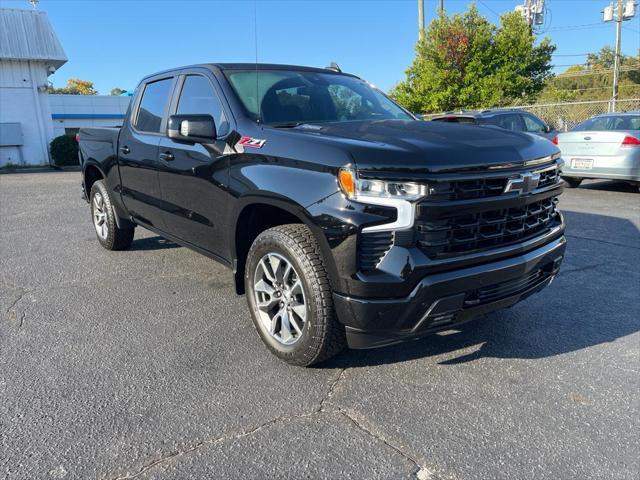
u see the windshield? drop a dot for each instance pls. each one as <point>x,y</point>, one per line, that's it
<point>610,122</point>
<point>290,97</point>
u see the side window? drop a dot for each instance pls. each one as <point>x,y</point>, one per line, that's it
<point>199,98</point>
<point>152,106</point>
<point>509,121</point>
<point>533,124</point>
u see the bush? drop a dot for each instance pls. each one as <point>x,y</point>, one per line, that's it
<point>64,150</point>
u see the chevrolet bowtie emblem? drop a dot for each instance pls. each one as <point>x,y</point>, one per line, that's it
<point>523,183</point>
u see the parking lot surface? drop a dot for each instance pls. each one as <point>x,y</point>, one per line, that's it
<point>145,364</point>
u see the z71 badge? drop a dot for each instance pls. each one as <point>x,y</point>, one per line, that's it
<point>251,142</point>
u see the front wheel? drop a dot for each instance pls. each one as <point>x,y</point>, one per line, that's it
<point>109,234</point>
<point>290,296</point>
<point>572,182</point>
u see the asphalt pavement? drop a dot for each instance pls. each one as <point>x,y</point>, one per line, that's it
<point>145,364</point>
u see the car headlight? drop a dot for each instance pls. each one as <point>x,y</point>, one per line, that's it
<point>362,189</point>
<point>400,195</point>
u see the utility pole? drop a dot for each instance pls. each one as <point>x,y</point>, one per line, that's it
<point>533,12</point>
<point>621,13</point>
<point>616,60</point>
<point>441,6</point>
<point>420,20</point>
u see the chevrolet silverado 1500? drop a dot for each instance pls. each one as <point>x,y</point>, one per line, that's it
<point>344,219</point>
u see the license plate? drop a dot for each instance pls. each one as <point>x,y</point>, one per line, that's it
<point>582,163</point>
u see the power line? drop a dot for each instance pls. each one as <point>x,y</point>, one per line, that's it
<point>576,27</point>
<point>569,54</point>
<point>490,9</point>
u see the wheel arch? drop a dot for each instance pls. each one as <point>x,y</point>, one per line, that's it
<point>255,214</point>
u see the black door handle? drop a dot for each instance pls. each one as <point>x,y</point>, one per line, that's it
<point>124,149</point>
<point>166,156</point>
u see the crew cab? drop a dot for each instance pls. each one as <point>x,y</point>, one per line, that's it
<point>343,218</point>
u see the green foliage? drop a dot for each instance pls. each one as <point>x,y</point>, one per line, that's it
<point>465,61</point>
<point>573,85</point>
<point>117,91</point>
<point>76,86</point>
<point>64,150</point>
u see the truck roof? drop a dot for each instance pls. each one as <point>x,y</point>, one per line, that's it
<point>255,66</point>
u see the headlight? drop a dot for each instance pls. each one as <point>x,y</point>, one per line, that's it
<point>360,189</point>
<point>399,195</point>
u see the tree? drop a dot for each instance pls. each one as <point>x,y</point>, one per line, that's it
<point>117,91</point>
<point>76,86</point>
<point>593,80</point>
<point>464,61</point>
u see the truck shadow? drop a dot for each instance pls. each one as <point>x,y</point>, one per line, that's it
<point>594,300</point>
<point>609,185</point>
<point>152,243</point>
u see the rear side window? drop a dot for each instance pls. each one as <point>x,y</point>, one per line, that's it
<point>152,106</point>
<point>199,98</point>
<point>610,122</point>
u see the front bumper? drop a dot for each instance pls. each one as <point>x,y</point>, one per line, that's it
<point>443,300</point>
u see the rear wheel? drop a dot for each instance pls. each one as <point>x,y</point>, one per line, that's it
<point>290,297</point>
<point>572,182</point>
<point>109,234</point>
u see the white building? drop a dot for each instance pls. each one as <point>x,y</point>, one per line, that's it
<point>30,117</point>
<point>72,112</point>
<point>29,52</point>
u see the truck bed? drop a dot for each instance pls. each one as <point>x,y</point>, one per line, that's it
<point>98,143</point>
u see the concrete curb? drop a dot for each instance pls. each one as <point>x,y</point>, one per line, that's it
<point>43,169</point>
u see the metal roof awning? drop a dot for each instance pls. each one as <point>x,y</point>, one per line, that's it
<point>27,35</point>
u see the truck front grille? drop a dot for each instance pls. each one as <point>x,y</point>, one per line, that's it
<point>466,233</point>
<point>468,189</point>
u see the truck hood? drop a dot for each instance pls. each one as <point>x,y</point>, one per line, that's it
<point>393,145</point>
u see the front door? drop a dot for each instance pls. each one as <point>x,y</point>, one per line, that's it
<point>194,177</point>
<point>138,153</point>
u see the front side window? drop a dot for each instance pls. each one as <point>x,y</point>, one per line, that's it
<point>152,106</point>
<point>288,97</point>
<point>533,124</point>
<point>509,121</point>
<point>199,98</point>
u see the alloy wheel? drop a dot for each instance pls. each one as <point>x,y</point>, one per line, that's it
<point>280,299</point>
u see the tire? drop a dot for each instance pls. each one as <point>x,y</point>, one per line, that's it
<point>103,217</point>
<point>318,335</point>
<point>572,182</point>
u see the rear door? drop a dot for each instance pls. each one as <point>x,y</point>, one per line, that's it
<point>194,177</point>
<point>138,152</point>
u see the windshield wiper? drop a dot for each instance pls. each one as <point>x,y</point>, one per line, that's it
<point>286,124</point>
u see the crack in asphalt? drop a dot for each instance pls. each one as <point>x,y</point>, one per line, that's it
<point>331,389</point>
<point>214,442</point>
<point>421,472</point>
<point>21,294</point>
<point>616,244</point>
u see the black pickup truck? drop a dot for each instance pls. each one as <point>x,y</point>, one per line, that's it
<point>345,219</point>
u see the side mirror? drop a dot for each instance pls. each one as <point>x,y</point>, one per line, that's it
<point>192,128</point>
<point>547,128</point>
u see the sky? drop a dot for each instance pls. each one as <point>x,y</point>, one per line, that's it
<point>114,43</point>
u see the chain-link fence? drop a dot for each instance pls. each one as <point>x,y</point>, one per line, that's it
<point>565,116</point>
